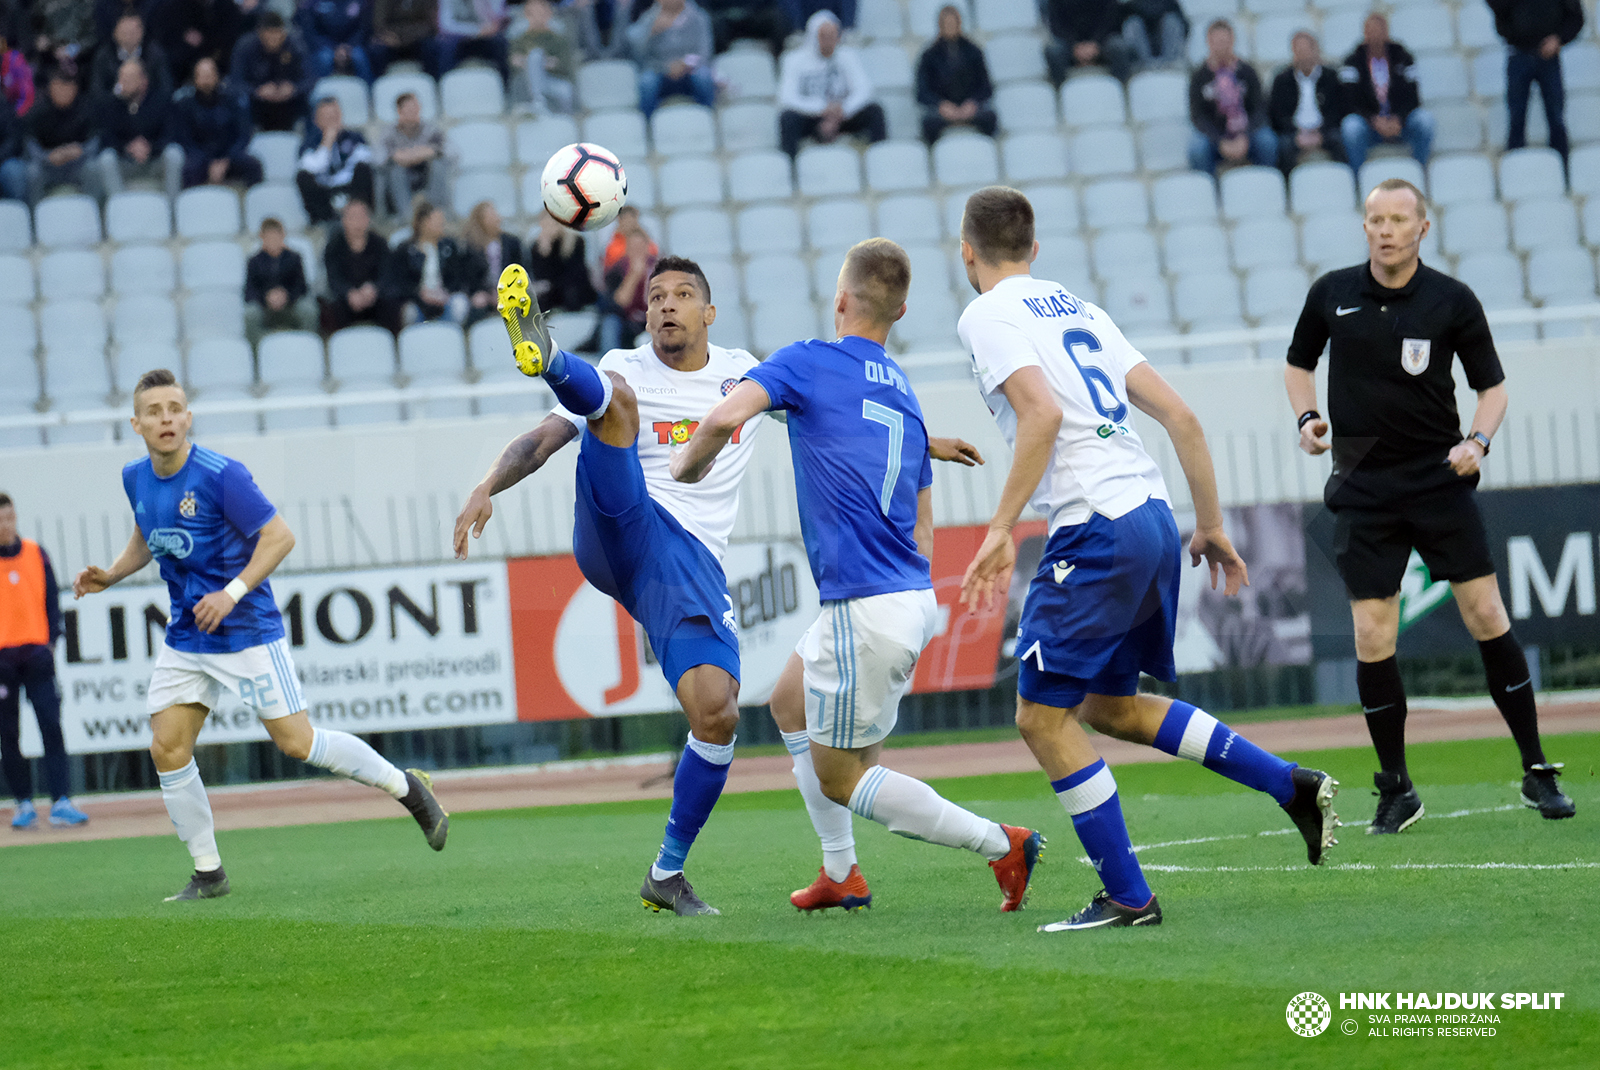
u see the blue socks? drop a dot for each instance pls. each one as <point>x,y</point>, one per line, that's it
<point>1196,735</point>
<point>702,772</point>
<point>578,385</point>
<point>1090,796</point>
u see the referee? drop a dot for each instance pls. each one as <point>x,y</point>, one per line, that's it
<point>1403,476</point>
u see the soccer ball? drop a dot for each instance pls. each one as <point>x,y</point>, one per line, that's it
<point>584,186</point>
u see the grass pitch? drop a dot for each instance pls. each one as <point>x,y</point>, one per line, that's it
<point>524,944</point>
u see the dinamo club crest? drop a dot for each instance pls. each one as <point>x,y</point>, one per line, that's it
<point>188,507</point>
<point>1414,355</point>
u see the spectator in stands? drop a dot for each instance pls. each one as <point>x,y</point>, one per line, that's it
<point>1535,30</point>
<point>336,33</point>
<point>1227,108</point>
<point>546,54</point>
<point>13,168</point>
<point>1306,105</point>
<point>271,66</point>
<point>16,76</point>
<point>671,42</point>
<point>64,32</point>
<point>107,13</point>
<point>824,91</point>
<point>354,261</point>
<point>416,158</point>
<point>430,275</point>
<point>61,138</point>
<point>211,123</point>
<point>134,138</point>
<point>276,297</point>
<point>473,28</point>
<point>556,266</point>
<point>197,29</point>
<point>1380,93</point>
<point>404,29</point>
<point>1086,33</point>
<point>748,20</point>
<point>128,41</point>
<point>495,249</point>
<point>953,81</point>
<point>1156,32</point>
<point>626,287</point>
<point>335,162</point>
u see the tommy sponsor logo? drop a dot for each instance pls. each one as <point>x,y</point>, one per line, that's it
<point>187,507</point>
<point>1062,570</point>
<point>1342,311</point>
<point>170,542</point>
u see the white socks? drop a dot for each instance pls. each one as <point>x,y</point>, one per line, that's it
<point>715,753</point>
<point>190,811</point>
<point>908,807</point>
<point>831,820</point>
<point>342,753</point>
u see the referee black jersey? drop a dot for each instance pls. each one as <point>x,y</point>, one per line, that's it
<point>1391,394</point>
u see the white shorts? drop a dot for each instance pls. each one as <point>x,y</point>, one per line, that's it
<point>262,676</point>
<point>858,658</point>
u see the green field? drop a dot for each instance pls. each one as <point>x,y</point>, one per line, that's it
<point>524,944</point>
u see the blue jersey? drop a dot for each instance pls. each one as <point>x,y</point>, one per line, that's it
<point>201,524</point>
<point>860,457</point>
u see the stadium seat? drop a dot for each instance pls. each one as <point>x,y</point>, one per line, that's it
<point>1064,260</point>
<point>1100,152</point>
<point>471,93</point>
<point>779,322</point>
<point>930,268</point>
<point>494,186</point>
<point>1385,167</point>
<point>764,175</point>
<point>140,318</point>
<point>16,227</point>
<point>1194,247</point>
<point>1543,223</point>
<point>1562,276</point>
<point>1442,76</point>
<point>1461,178</point>
<point>362,358</point>
<point>608,83</point>
<point>213,265</point>
<point>1423,28</point>
<point>70,273</point>
<point>909,219</point>
<point>208,212</point>
<point>138,215</point>
<point>1335,239</point>
<point>213,314</point>
<point>622,132</point>
<point>929,322</point>
<point>1122,250</point>
<point>1206,298</point>
<point>1475,27</point>
<point>748,74</point>
<point>777,278</point>
<point>143,269</point>
<point>683,130</point>
<point>351,93</point>
<point>896,166</point>
<point>1531,173</point>
<point>387,89</point>
<point>1264,241</point>
<point>642,188</point>
<point>481,144</point>
<point>74,381</point>
<point>748,126</point>
<point>278,200</point>
<point>67,222</point>
<point>136,358</point>
<point>1458,126</point>
<point>1157,95</point>
<point>292,365</point>
<point>922,18</point>
<point>279,153</point>
<point>825,276</point>
<point>17,366</point>
<point>697,232</point>
<point>828,171</point>
<point>1093,99</point>
<point>890,67</point>
<point>1163,146</point>
<point>221,364</point>
<point>1117,202</point>
<point>882,20</point>
<point>836,225</point>
<point>1580,66</point>
<point>902,119</point>
<point>1489,75</point>
<point>1055,210</point>
<point>1323,186</point>
<point>997,16</point>
<point>1014,57</point>
<point>488,348</point>
<point>1028,157</point>
<point>769,228</point>
<point>1584,167</point>
<point>1025,106</point>
<point>690,180</point>
<point>1269,39</point>
<point>1251,191</point>
<point>1139,302</point>
<point>538,139</point>
<point>1474,227</point>
<point>1189,197</point>
<point>1275,295</point>
<point>17,283</point>
<point>73,327</point>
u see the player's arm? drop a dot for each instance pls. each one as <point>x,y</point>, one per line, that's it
<point>954,449</point>
<point>1038,423</point>
<point>523,456</point>
<point>273,543</point>
<point>1302,387</point>
<point>744,402</point>
<point>1300,376</point>
<point>94,579</point>
<point>1492,404</point>
<point>924,529</point>
<point>1155,397</point>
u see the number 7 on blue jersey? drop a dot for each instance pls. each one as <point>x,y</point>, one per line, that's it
<point>896,423</point>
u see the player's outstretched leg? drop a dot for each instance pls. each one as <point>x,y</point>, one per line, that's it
<point>576,383</point>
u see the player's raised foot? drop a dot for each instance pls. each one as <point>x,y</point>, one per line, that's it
<point>673,893</point>
<point>530,336</point>
<point>26,817</point>
<point>1103,912</point>
<point>62,812</point>
<point>1311,810</point>
<point>209,885</point>
<point>1541,792</point>
<point>851,893</point>
<point>1398,805</point>
<point>425,808</point>
<point>1015,870</point>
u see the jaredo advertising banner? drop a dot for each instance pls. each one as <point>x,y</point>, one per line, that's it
<point>1542,540</point>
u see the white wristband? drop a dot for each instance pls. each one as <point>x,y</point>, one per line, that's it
<point>236,590</point>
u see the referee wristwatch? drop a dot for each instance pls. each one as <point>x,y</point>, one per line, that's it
<point>1481,439</point>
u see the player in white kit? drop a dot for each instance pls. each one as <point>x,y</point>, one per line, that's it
<point>1059,378</point>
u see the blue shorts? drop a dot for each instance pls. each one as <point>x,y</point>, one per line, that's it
<point>1102,608</point>
<point>637,552</point>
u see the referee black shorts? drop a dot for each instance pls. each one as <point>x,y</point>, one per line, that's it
<point>1371,546</point>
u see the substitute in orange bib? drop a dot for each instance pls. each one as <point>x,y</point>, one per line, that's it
<point>30,622</point>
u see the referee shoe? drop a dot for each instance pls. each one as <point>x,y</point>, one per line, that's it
<point>1540,792</point>
<point>530,337</point>
<point>1103,912</point>
<point>1311,810</point>
<point>1398,808</point>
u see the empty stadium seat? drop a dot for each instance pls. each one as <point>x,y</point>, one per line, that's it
<point>1055,209</point>
<point>1248,191</point>
<point>1474,228</point>
<point>1269,39</point>
<point>889,66</point>
<point>1531,173</point>
<point>351,92</point>
<point>1475,27</point>
<point>1562,276</point>
<point>1461,178</point>
<point>1093,99</point>
<point>1115,203</point>
<point>769,228</point>
<point>136,358</point>
<point>70,273</point>
<point>895,166</point>
<point>1120,250</point>
<point>471,93</point>
<point>622,132</point>
<point>1191,247</point>
<point>1442,76</point>
<point>1382,168</point>
<point>683,130</point>
<point>17,284</point>
<point>1035,156</point>
<point>1336,240</point>
<point>697,232</point>
<point>143,269</point>
<point>280,201</point>
<point>212,265</point>
<point>608,83</point>
<point>881,20</point>
<point>1584,167</point>
<point>748,73</point>
<point>760,176</point>
<point>776,278</point>
<point>138,215</point>
<point>75,327</point>
<point>1321,187</point>
<point>1458,126</point>
<point>208,212</point>
<point>214,314</point>
<point>66,222</point>
<point>292,365</point>
<point>222,365</point>
<point>387,89</point>
<point>1495,277</point>
<point>1264,241</point>
<point>493,186</point>
<point>279,152</point>
<point>1163,146</point>
<point>1423,28</point>
<point>1189,197</point>
<point>141,318</point>
<point>690,180</point>
<point>1013,57</point>
<point>776,323</point>
<point>481,144</point>
<point>997,16</point>
<point>1025,106</point>
<point>1064,261</point>
<point>362,358</point>
<point>748,126</point>
<point>909,219</point>
<point>1158,95</point>
<point>1139,302</point>
<point>538,139</point>
<point>1543,223</point>
<point>16,227</point>
<point>836,225</point>
<point>828,171</point>
<point>1275,295</point>
<point>1100,152</point>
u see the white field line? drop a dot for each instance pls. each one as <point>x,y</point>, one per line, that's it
<point>1286,832</point>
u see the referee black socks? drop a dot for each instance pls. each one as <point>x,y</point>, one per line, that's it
<point>1383,700</point>
<point>1511,687</point>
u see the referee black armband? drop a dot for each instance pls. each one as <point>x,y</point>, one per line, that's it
<point>1307,416</point>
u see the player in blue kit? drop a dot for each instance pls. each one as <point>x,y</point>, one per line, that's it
<point>864,487</point>
<point>1059,378</point>
<point>218,538</point>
